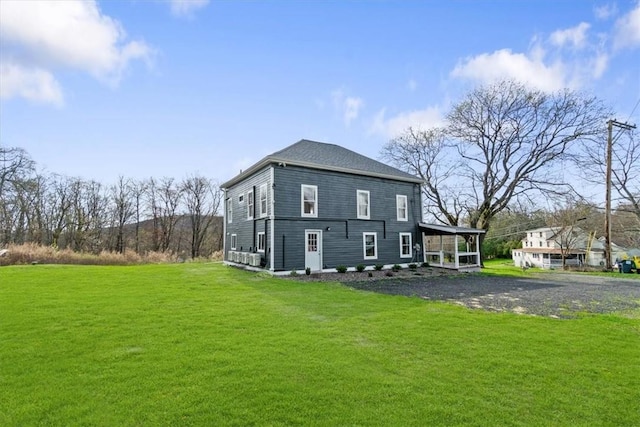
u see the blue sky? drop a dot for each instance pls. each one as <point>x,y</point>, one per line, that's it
<point>138,88</point>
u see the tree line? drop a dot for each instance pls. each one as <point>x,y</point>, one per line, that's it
<point>160,215</point>
<point>500,157</point>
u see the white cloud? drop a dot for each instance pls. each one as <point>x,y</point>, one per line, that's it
<point>574,37</point>
<point>72,34</point>
<point>501,64</point>
<point>348,106</point>
<point>396,125</point>
<point>606,11</point>
<point>187,7</point>
<point>33,84</point>
<point>627,30</point>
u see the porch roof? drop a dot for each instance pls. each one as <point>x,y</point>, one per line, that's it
<point>441,229</point>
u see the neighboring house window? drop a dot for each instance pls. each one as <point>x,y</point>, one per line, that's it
<point>261,242</point>
<point>309,200</point>
<point>250,204</point>
<point>541,234</point>
<point>540,244</point>
<point>241,199</point>
<point>263,200</point>
<point>363,204</point>
<point>405,245</point>
<point>370,245</point>
<point>548,244</point>
<point>401,208</point>
<point>234,241</point>
<point>229,211</point>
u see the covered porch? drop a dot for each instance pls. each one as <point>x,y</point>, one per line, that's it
<point>452,247</point>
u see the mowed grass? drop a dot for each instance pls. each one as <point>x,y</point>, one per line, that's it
<point>506,267</point>
<point>205,344</point>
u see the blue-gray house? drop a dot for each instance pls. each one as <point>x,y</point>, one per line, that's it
<point>316,205</point>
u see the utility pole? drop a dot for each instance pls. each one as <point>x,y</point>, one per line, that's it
<point>607,214</point>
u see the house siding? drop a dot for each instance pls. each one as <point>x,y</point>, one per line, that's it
<point>246,228</point>
<point>337,210</point>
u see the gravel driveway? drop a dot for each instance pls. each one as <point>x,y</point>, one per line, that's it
<point>553,295</point>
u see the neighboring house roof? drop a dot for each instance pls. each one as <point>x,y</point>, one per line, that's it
<point>320,155</point>
<point>440,229</point>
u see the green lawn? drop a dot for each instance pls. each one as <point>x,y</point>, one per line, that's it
<point>203,344</point>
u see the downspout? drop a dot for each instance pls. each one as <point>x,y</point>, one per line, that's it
<point>272,239</point>
<point>224,226</point>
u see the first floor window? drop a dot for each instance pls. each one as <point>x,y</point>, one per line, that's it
<point>261,242</point>
<point>234,241</point>
<point>370,245</point>
<point>405,245</point>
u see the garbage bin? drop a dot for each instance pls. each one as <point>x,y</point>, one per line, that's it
<point>628,265</point>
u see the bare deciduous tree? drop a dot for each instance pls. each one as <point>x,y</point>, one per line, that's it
<point>202,198</point>
<point>509,141</point>
<point>625,166</point>
<point>123,209</point>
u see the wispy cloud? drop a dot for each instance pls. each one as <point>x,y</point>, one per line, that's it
<point>40,36</point>
<point>627,30</point>
<point>528,68</point>
<point>391,127</point>
<point>347,106</point>
<point>34,84</point>
<point>187,7</point>
<point>567,58</point>
<point>606,11</point>
<point>573,37</point>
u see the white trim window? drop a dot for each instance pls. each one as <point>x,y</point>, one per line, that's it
<point>234,242</point>
<point>370,245</point>
<point>405,245</point>
<point>402,211</point>
<point>241,199</point>
<point>309,200</point>
<point>229,210</point>
<point>263,200</point>
<point>364,205</point>
<point>250,204</point>
<point>260,244</point>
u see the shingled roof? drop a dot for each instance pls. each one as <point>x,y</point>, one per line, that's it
<point>320,155</point>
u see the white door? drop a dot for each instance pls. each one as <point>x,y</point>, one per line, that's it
<point>313,249</point>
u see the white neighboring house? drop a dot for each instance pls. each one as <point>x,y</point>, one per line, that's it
<point>543,247</point>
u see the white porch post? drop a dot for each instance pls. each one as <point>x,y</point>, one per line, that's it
<point>441,252</point>
<point>424,249</point>
<point>478,261</point>
<point>455,251</point>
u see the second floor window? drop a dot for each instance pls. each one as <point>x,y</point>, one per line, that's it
<point>309,200</point>
<point>401,208</point>
<point>250,204</point>
<point>229,210</point>
<point>363,204</point>
<point>263,200</point>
